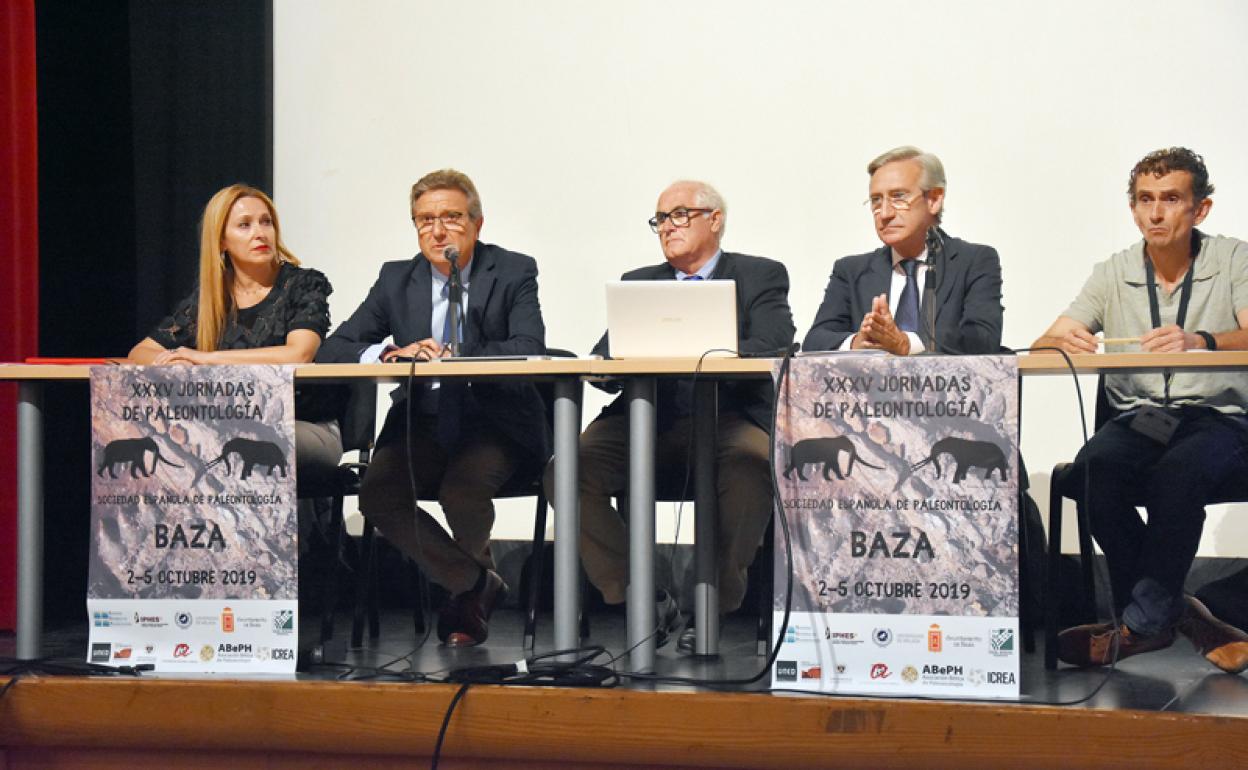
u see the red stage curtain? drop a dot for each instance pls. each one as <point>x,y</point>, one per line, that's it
<point>19,258</point>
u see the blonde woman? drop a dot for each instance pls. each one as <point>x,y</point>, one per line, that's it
<point>254,305</point>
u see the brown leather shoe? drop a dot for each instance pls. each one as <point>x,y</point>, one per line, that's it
<point>1222,644</point>
<point>1093,644</point>
<point>464,620</point>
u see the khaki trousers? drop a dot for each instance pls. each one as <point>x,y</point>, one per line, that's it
<point>744,495</point>
<point>464,484</point>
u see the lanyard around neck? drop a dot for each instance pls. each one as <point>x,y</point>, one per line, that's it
<point>1154,306</point>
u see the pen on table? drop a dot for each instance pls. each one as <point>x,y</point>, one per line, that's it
<point>1120,341</point>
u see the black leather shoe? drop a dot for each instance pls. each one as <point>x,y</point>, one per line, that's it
<point>464,620</point>
<point>668,618</point>
<point>1093,644</point>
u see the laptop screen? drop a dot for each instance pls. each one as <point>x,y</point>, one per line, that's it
<point>672,319</point>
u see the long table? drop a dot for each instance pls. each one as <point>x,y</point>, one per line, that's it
<point>640,378</point>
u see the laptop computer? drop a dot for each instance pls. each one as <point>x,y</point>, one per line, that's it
<point>672,319</point>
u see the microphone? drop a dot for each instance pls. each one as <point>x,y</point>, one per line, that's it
<point>455,294</point>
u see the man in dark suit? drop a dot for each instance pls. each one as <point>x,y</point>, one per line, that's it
<point>690,221</point>
<point>923,290</point>
<point>466,440</point>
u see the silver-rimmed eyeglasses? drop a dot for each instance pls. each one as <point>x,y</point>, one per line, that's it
<point>900,200</point>
<point>451,220</point>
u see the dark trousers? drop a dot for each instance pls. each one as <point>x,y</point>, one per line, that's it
<point>1148,561</point>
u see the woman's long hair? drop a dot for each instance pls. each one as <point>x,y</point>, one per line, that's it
<point>216,271</point>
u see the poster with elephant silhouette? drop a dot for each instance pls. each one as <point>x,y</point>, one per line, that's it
<point>898,478</point>
<point>194,535</point>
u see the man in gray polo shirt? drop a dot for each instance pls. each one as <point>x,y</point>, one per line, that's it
<point>1176,439</point>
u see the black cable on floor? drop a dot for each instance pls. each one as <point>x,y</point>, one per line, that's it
<point>23,667</point>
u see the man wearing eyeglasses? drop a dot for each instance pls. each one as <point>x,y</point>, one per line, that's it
<point>923,290</point>
<point>465,440</point>
<point>689,221</point>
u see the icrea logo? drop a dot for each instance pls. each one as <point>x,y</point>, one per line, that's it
<point>182,651</point>
<point>880,671</point>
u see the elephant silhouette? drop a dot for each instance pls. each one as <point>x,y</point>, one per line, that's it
<point>133,451</point>
<point>252,453</point>
<point>825,450</point>
<point>967,454</point>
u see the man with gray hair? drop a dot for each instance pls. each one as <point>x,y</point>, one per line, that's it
<point>923,290</point>
<point>689,221</point>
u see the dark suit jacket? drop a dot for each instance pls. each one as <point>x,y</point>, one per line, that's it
<point>764,324</point>
<point>968,298</point>
<point>503,318</point>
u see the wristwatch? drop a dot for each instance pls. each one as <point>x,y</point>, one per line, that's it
<point>1210,342</point>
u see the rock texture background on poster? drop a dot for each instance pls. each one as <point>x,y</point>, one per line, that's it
<point>193,483</point>
<point>909,502</point>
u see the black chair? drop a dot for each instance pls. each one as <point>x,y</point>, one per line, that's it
<point>357,422</point>
<point>1066,484</point>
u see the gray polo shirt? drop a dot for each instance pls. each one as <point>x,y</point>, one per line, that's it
<point>1115,300</point>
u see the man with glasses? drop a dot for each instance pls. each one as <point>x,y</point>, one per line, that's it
<point>923,291</point>
<point>1176,440</point>
<point>465,440</point>
<point>690,220</point>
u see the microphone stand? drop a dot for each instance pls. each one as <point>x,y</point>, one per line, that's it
<point>455,297</point>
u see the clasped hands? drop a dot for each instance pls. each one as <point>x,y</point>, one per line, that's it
<point>182,356</point>
<point>425,350</point>
<point>879,331</point>
<point>1163,339</point>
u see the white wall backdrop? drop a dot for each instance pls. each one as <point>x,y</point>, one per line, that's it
<point>571,117</point>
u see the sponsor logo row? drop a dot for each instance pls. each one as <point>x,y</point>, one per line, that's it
<point>125,654</point>
<point>280,622</point>
<point>999,643</point>
<point>793,671</point>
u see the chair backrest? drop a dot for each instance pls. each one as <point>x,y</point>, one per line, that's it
<point>1105,411</point>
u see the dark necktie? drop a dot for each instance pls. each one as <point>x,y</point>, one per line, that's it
<point>451,397</point>
<point>694,277</point>
<point>907,315</point>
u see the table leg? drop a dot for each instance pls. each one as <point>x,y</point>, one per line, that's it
<point>29,519</point>
<point>706,505</point>
<point>567,502</point>
<point>640,392</point>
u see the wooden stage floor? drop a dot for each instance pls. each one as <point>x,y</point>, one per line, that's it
<point>1168,709</point>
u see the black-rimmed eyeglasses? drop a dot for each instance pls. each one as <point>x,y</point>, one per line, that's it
<point>679,216</point>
